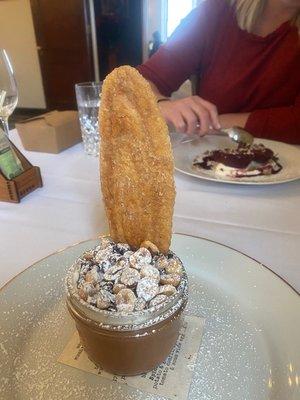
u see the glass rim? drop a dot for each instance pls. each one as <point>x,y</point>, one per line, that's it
<point>88,84</point>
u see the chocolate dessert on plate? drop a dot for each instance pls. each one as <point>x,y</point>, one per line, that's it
<point>247,161</point>
<point>127,305</point>
<point>127,295</point>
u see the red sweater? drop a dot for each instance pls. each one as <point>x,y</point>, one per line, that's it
<point>238,71</point>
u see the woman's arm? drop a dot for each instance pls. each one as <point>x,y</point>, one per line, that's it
<point>279,123</point>
<point>230,120</point>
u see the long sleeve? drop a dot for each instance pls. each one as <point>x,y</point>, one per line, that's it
<point>280,123</point>
<point>237,71</point>
<point>182,55</point>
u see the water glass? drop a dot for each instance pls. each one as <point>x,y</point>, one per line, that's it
<point>88,102</point>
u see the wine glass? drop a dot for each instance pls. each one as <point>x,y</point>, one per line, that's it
<point>8,90</point>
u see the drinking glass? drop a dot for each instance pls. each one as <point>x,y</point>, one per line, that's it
<point>8,90</point>
<point>88,102</point>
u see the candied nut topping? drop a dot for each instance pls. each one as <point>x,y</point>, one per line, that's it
<point>125,300</point>
<point>113,277</point>
<point>148,271</point>
<point>89,277</point>
<point>170,279</point>
<point>161,262</point>
<point>122,248</point>
<point>88,288</point>
<point>113,273</point>
<point>105,242</point>
<point>102,255</point>
<point>114,258</point>
<point>105,285</point>
<point>168,290</point>
<point>147,288</point>
<point>129,276</point>
<point>104,299</point>
<point>123,262</point>
<point>141,257</point>
<point>94,275</point>
<point>104,265</point>
<point>174,267</point>
<point>117,287</point>
<point>127,254</point>
<point>150,246</point>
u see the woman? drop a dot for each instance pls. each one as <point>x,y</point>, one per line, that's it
<point>246,54</point>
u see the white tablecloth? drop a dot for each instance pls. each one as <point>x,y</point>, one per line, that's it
<point>261,221</point>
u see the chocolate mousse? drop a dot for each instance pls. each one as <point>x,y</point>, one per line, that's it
<point>127,304</point>
<point>241,162</point>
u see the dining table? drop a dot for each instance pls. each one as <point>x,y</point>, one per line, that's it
<point>261,221</point>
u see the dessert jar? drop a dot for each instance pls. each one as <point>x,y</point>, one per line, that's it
<point>127,343</point>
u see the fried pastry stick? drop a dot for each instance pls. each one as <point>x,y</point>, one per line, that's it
<point>136,161</point>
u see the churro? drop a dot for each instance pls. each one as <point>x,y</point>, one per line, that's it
<point>136,162</point>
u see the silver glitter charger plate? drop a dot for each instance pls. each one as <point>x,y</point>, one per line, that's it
<point>250,348</point>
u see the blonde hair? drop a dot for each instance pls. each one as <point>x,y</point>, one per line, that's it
<point>248,11</point>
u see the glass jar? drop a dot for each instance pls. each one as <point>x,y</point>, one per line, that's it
<point>127,343</point>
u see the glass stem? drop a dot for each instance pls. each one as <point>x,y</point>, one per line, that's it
<point>5,126</point>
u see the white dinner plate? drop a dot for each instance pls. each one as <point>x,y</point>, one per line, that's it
<point>250,347</point>
<point>185,153</point>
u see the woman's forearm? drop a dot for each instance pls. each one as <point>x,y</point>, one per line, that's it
<point>237,119</point>
<point>278,123</point>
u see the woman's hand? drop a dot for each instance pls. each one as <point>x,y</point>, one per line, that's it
<point>190,115</point>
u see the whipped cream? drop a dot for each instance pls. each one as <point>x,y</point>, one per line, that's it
<point>253,169</point>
